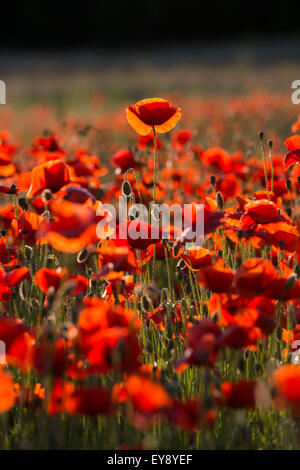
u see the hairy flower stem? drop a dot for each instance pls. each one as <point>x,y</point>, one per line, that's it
<point>154,193</point>
<point>265,166</point>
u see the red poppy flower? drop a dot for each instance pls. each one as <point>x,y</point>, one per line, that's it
<point>151,112</point>
<point>293,156</point>
<point>73,228</point>
<point>201,346</point>
<point>7,394</point>
<point>237,395</point>
<point>286,381</point>
<point>46,278</point>
<point>90,401</point>
<point>124,159</point>
<point>51,175</point>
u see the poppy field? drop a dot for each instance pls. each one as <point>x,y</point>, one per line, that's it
<point>150,343</point>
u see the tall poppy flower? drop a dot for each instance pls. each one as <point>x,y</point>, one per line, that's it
<point>153,112</point>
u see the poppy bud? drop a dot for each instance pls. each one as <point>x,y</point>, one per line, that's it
<point>297,269</point>
<point>220,200</point>
<point>298,178</point>
<point>13,189</point>
<point>47,195</point>
<point>3,233</point>
<point>165,296</point>
<point>213,180</point>
<point>22,201</point>
<point>180,265</point>
<point>220,253</point>
<point>82,256</point>
<point>291,281</point>
<point>28,252</point>
<point>288,184</point>
<point>126,188</point>
<point>261,135</point>
<point>146,304</point>
<point>270,143</point>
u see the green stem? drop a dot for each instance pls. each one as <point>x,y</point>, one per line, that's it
<point>154,192</point>
<point>265,167</point>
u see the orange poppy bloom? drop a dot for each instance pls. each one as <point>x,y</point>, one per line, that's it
<point>51,175</point>
<point>7,394</point>
<point>151,112</point>
<point>293,156</point>
<point>74,227</point>
<point>286,381</point>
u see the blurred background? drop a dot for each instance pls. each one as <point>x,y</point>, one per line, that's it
<point>66,53</point>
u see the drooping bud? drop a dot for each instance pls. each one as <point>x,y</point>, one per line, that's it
<point>126,188</point>
<point>220,200</point>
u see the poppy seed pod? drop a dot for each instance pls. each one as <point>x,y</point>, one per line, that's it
<point>126,189</point>
<point>261,135</point>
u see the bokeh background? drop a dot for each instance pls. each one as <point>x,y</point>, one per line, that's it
<point>66,53</point>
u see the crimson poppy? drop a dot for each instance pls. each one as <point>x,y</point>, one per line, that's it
<point>153,112</point>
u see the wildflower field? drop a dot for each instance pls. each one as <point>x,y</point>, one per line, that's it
<point>150,343</point>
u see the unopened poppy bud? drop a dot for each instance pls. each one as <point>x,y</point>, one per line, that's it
<point>28,252</point>
<point>270,143</point>
<point>298,178</point>
<point>291,281</point>
<point>297,269</point>
<point>13,189</point>
<point>126,188</point>
<point>220,253</point>
<point>261,135</point>
<point>288,184</point>
<point>180,265</point>
<point>82,256</point>
<point>165,296</point>
<point>213,180</point>
<point>289,211</point>
<point>220,200</point>
<point>146,304</point>
<point>47,195</point>
<point>22,201</point>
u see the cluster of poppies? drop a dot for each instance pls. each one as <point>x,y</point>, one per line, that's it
<point>115,326</point>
